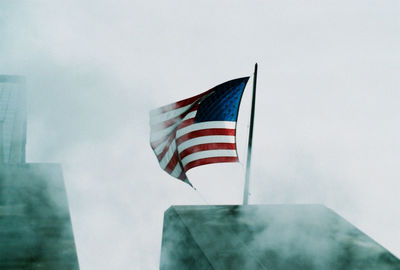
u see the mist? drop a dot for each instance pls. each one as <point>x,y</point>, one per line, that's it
<point>326,128</point>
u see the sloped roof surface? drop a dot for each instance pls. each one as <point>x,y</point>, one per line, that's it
<point>273,237</point>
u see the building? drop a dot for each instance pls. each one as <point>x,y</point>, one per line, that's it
<point>273,237</point>
<point>35,225</point>
<point>12,119</point>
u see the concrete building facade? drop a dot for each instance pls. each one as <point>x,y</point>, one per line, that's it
<point>35,225</point>
<point>12,119</point>
<point>267,237</point>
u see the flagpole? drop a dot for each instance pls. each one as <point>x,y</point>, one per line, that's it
<point>248,163</point>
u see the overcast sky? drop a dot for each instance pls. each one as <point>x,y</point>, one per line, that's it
<point>327,116</point>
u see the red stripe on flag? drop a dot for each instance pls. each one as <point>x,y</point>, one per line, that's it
<point>210,160</point>
<point>182,176</point>
<point>205,132</point>
<point>186,123</point>
<point>160,141</point>
<point>172,163</point>
<point>205,147</point>
<point>162,154</point>
<point>172,121</point>
<point>165,124</point>
<point>182,103</point>
<point>194,108</point>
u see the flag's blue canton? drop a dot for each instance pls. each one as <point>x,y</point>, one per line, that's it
<point>223,103</point>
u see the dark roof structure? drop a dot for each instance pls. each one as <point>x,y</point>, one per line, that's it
<point>35,225</point>
<point>270,237</point>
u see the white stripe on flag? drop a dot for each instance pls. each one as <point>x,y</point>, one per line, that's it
<point>177,170</point>
<point>156,118</point>
<point>206,139</point>
<point>161,147</point>
<point>158,150</point>
<point>205,125</point>
<point>156,135</point>
<point>168,155</point>
<point>208,154</point>
<point>190,115</point>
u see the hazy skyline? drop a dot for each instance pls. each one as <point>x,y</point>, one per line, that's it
<point>326,128</point>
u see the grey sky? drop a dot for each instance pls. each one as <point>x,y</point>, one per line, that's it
<point>327,111</point>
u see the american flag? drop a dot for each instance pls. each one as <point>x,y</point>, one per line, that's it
<point>197,131</point>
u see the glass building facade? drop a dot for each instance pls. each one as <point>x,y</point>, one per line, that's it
<point>35,224</point>
<point>12,119</point>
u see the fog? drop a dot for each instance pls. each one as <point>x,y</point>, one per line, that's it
<point>274,236</point>
<point>327,113</point>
